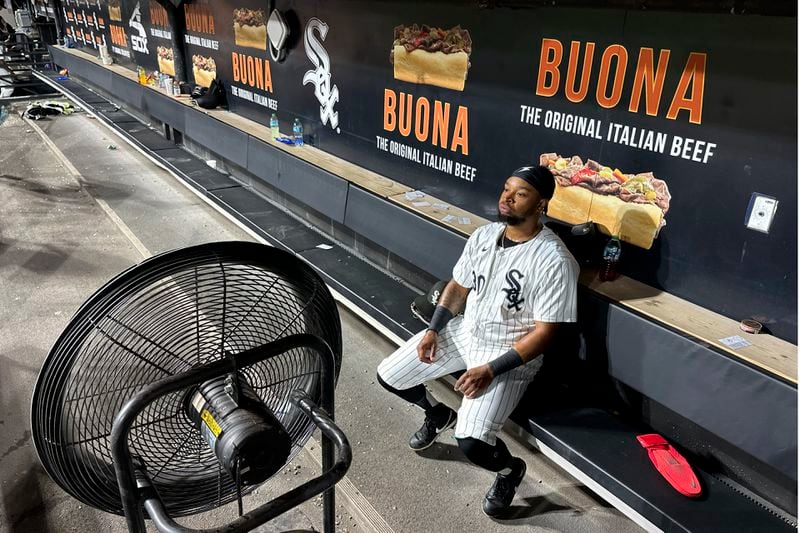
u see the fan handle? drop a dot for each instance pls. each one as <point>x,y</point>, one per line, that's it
<point>321,416</point>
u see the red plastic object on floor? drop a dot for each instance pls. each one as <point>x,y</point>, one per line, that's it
<point>670,464</point>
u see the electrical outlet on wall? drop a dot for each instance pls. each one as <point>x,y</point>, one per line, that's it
<point>760,212</point>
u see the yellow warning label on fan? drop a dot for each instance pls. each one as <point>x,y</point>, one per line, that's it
<point>211,423</point>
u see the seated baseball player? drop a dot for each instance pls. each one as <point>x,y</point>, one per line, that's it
<point>515,282</point>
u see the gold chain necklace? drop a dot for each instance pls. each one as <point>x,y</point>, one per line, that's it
<point>503,237</point>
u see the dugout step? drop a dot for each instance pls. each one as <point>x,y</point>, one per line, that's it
<point>604,448</point>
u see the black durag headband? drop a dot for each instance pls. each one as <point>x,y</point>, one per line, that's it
<point>538,177</point>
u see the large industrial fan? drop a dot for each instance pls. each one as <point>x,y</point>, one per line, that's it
<point>188,380</point>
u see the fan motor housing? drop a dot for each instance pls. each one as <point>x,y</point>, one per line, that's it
<point>245,431</point>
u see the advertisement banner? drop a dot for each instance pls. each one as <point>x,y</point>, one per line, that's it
<point>160,35</point>
<point>228,40</point>
<point>203,40</point>
<point>86,23</point>
<point>119,36</point>
<point>671,130</point>
<point>660,127</point>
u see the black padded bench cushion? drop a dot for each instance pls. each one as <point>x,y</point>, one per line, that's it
<point>605,448</point>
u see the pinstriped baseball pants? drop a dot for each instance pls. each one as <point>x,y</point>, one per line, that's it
<point>458,349</point>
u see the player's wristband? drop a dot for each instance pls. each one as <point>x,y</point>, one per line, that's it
<point>441,316</point>
<point>508,361</point>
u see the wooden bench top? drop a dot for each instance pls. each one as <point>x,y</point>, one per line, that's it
<point>767,352</point>
<point>774,355</point>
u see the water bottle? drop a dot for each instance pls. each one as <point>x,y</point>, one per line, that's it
<point>297,132</point>
<point>273,126</point>
<point>611,255</point>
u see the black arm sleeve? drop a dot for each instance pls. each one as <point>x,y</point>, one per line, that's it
<point>441,316</point>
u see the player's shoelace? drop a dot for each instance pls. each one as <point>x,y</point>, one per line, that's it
<point>431,427</point>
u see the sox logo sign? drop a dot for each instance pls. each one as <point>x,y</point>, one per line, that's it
<point>514,290</point>
<point>321,76</point>
<point>138,42</point>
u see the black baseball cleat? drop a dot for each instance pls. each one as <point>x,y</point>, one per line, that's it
<point>214,97</point>
<point>443,418</point>
<point>502,492</point>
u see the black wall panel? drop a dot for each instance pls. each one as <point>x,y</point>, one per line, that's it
<point>431,247</point>
<point>262,160</point>
<point>165,109</point>
<point>315,187</point>
<point>224,140</point>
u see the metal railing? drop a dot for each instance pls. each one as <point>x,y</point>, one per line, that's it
<point>17,61</point>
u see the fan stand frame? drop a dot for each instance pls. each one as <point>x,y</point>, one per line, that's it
<point>138,494</point>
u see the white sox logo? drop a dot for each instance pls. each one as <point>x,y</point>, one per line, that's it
<point>435,297</point>
<point>514,289</point>
<point>138,42</point>
<point>321,77</point>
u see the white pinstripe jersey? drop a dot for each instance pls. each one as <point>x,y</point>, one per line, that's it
<point>513,287</point>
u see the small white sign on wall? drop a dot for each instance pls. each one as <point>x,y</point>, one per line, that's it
<point>760,212</point>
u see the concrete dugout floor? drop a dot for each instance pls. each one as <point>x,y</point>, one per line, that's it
<point>74,213</point>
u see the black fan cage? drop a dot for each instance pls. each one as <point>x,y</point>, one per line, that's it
<point>168,314</point>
